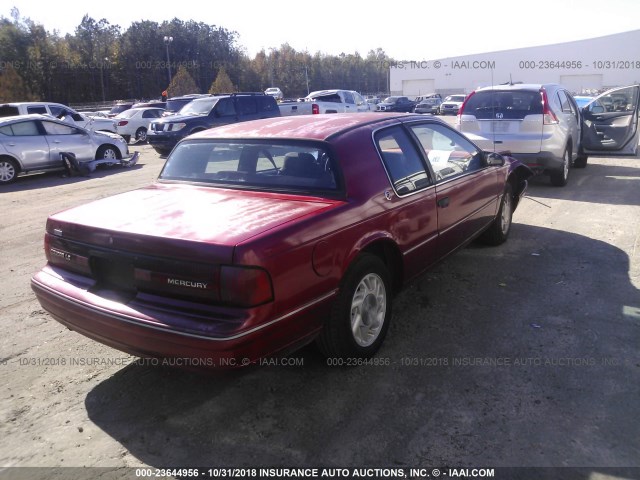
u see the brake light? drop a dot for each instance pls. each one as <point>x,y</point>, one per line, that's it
<point>315,109</point>
<point>549,118</point>
<point>122,123</point>
<point>57,254</point>
<point>464,104</point>
<point>245,286</point>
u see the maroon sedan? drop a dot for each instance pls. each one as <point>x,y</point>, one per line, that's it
<point>262,236</point>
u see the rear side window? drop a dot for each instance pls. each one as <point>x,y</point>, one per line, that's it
<point>21,129</point>
<point>506,105</point>
<point>564,102</point>
<point>247,105</point>
<point>401,160</point>
<point>37,109</point>
<point>8,111</point>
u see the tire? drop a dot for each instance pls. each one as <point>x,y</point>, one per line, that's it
<point>361,313</point>
<point>498,231</point>
<point>9,170</point>
<point>559,178</point>
<point>107,152</point>
<point>141,135</point>
<point>580,161</point>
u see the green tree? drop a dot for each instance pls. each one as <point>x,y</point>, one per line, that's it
<point>182,84</point>
<point>222,83</point>
<point>12,87</point>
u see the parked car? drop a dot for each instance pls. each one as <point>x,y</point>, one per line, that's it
<point>451,104</point>
<point>175,104</point>
<point>326,101</point>
<point>150,104</point>
<point>420,98</point>
<point>261,236</point>
<point>275,92</point>
<point>118,108</point>
<point>396,104</point>
<point>582,100</point>
<point>428,105</point>
<point>543,126</point>
<point>134,123</point>
<point>33,143</point>
<point>203,113</point>
<point>60,111</point>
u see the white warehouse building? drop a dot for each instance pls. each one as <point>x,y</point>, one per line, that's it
<point>581,66</point>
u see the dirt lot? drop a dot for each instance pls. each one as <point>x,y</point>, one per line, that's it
<point>521,355</point>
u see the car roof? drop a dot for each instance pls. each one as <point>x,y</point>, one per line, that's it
<point>33,116</point>
<point>519,86</point>
<point>308,127</point>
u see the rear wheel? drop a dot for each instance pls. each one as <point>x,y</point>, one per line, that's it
<point>361,313</point>
<point>559,178</point>
<point>498,231</point>
<point>9,170</point>
<point>141,135</point>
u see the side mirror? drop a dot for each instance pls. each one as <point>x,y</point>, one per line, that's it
<point>596,109</point>
<point>494,159</point>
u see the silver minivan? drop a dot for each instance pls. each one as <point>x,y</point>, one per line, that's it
<point>542,125</point>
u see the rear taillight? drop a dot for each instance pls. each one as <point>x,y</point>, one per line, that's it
<point>245,286</point>
<point>464,104</point>
<point>122,123</point>
<point>58,254</point>
<point>315,109</point>
<point>549,118</point>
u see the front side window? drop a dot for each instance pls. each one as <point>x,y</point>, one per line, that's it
<point>41,109</point>
<point>53,128</point>
<point>257,166</point>
<point>449,153</point>
<point>401,160</point>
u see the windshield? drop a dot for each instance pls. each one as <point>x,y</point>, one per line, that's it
<point>199,107</point>
<point>119,108</point>
<point>455,98</point>
<point>252,165</point>
<point>391,99</point>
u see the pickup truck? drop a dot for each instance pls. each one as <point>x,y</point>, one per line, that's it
<point>62,112</point>
<point>396,104</point>
<point>209,112</point>
<point>326,101</point>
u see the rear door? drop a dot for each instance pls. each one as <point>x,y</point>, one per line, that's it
<point>25,141</point>
<point>611,122</point>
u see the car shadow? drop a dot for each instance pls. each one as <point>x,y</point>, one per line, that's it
<point>597,183</point>
<point>522,355</point>
<point>36,181</point>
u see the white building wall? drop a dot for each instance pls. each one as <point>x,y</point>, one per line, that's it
<point>592,64</point>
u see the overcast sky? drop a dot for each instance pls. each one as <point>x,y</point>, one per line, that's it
<point>404,30</point>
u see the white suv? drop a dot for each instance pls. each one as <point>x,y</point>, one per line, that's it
<point>538,124</point>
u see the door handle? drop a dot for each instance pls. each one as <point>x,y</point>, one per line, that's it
<point>443,202</point>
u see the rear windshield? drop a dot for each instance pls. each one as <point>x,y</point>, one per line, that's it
<point>509,105</point>
<point>8,111</point>
<point>251,165</point>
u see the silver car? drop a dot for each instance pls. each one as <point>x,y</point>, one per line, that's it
<point>30,143</point>
<point>538,124</point>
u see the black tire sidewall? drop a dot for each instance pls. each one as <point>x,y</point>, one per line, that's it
<point>340,337</point>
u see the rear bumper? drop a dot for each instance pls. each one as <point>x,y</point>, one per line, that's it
<point>209,338</point>
<point>539,162</point>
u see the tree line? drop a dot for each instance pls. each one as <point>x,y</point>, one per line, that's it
<point>101,62</point>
